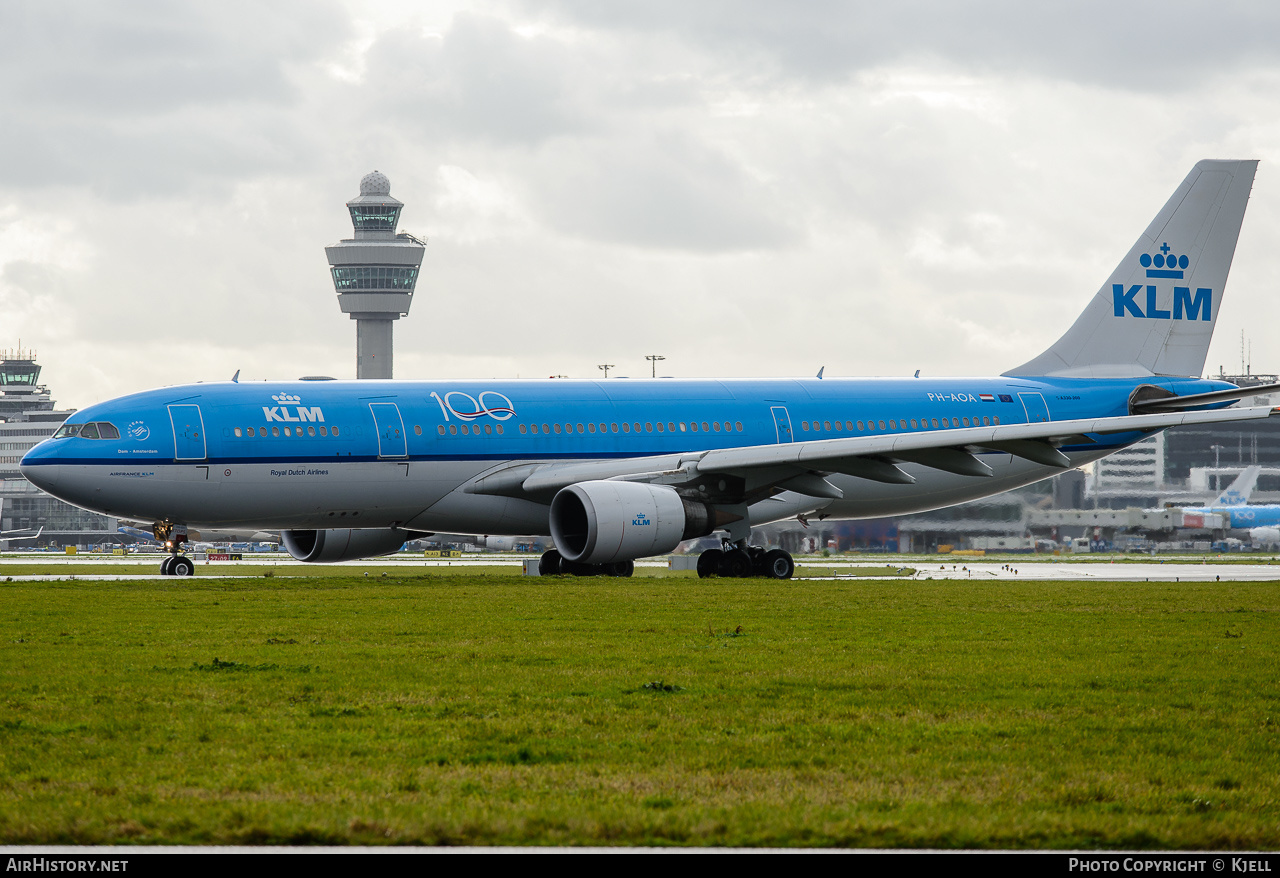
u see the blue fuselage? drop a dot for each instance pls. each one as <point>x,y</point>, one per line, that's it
<point>379,453</point>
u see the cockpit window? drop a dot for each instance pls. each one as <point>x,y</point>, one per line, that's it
<point>99,430</point>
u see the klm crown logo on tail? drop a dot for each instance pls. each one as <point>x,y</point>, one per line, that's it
<point>1184,305</point>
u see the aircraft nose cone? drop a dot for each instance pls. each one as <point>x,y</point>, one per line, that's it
<point>43,475</point>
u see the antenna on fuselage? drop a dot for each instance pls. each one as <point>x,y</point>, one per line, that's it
<point>235,379</point>
<point>820,371</point>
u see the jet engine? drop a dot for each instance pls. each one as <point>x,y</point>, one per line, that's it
<point>603,522</point>
<point>345,544</point>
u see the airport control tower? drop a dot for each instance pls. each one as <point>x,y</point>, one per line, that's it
<point>374,273</point>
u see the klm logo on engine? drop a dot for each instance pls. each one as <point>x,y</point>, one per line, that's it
<point>640,520</point>
<point>281,412</point>
<point>1183,306</point>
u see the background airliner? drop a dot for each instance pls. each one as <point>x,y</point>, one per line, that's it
<point>623,469</point>
<point>1234,503</point>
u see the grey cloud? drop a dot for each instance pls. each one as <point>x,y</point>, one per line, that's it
<point>1149,45</point>
<point>144,98</point>
<point>478,80</point>
<point>665,191</point>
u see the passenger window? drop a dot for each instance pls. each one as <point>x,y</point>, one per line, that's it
<point>826,425</point>
<point>626,428</point>
<point>986,422</point>
<point>311,431</point>
<point>671,426</point>
<point>682,426</point>
<point>860,426</point>
<point>964,421</point>
<point>488,429</point>
<point>893,425</point>
<point>466,431</point>
<point>881,425</point>
<point>613,428</point>
<point>659,426</point>
<point>913,424</point>
<point>737,425</point>
<point>648,426</point>
<point>636,426</point>
<point>324,431</point>
<point>453,429</point>
<point>580,430</point>
<point>441,428</point>
<point>237,431</point>
<point>996,421</point>
<point>417,429</point>
<point>804,425</point>
<point>335,431</point>
<point>715,425</point>
<point>275,431</point>
<point>557,427</point>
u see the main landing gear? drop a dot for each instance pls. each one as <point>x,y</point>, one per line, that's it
<point>743,561</point>
<point>173,536</point>
<point>552,564</point>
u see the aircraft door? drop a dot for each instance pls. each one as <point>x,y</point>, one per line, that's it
<point>782,421</point>
<point>391,439</point>
<point>1034,405</point>
<point>188,432</point>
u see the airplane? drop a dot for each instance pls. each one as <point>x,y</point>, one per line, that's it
<point>21,534</point>
<point>616,470</point>
<point>138,530</point>
<point>1233,503</point>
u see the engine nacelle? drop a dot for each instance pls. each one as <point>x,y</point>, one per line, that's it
<point>603,522</point>
<point>345,544</point>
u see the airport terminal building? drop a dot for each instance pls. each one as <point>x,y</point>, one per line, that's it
<point>28,417</point>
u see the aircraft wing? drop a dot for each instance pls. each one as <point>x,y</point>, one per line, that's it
<point>800,466</point>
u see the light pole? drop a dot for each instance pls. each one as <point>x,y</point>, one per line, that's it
<point>606,367</point>
<point>654,358</point>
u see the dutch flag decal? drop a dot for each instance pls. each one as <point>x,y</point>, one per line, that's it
<point>986,397</point>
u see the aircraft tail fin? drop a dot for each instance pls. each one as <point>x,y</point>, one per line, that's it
<point>1156,312</point>
<point>1239,491</point>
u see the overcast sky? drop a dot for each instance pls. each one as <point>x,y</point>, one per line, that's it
<point>745,188</point>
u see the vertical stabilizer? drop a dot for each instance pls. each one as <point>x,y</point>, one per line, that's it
<point>1239,491</point>
<point>1156,312</point>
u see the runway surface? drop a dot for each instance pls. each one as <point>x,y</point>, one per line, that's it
<point>1180,569</point>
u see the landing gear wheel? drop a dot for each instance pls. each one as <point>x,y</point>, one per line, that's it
<point>709,563</point>
<point>778,564</point>
<point>620,568</point>
<point>577,568</point>
<point>549,563</point>
<point>166,566</point>
<point>182,566</point>
<point>735,563</point>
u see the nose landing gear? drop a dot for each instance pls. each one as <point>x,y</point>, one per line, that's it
<point>173,536</point>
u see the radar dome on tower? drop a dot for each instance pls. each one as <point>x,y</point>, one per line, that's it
<point>375,183</point>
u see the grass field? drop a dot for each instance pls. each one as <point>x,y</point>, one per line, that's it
<point>464,708</point>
